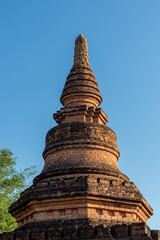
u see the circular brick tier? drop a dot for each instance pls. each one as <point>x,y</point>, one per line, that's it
<point>81,147</point>
<point>81,88</point>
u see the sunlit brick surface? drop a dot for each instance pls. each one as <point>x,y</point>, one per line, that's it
<point>81,192</point>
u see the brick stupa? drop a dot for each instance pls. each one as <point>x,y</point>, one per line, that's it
<point>81,193</point>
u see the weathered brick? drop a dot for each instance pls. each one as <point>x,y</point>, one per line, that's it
<point>81,193</point>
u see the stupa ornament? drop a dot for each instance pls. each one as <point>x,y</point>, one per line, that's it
<point>81,87</point>
<point>81,52</point>
<point>81,192</point>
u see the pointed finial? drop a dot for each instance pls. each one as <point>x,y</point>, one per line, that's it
<point>81,86</point>
<point>81,51</point>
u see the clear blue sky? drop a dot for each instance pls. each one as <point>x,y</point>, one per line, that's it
<point>36,54</point>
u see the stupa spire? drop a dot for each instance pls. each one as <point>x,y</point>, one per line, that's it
<point>81,51</point>
<point>81,87</point>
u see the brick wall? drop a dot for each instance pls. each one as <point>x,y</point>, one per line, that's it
<point>81,229</point>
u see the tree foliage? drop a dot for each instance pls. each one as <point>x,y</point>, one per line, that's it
<point>12,183</point>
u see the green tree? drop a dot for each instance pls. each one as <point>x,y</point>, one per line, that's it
<point>12,183</point>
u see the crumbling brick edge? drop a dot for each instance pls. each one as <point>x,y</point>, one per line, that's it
<point>81,229</point>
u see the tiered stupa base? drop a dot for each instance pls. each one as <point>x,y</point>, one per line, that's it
<point>81,179</point>
<point>80,196</point>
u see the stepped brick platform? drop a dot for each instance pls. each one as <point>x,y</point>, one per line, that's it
<point>81,229</point>
<point>81,192</point>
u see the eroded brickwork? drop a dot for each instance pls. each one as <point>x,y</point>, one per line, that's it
<point>79,196</point>
<point>81,192</point>
<point>81,229</point>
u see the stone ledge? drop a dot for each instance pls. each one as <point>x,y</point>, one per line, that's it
<point>83,229</point>
<point>80,114</point>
